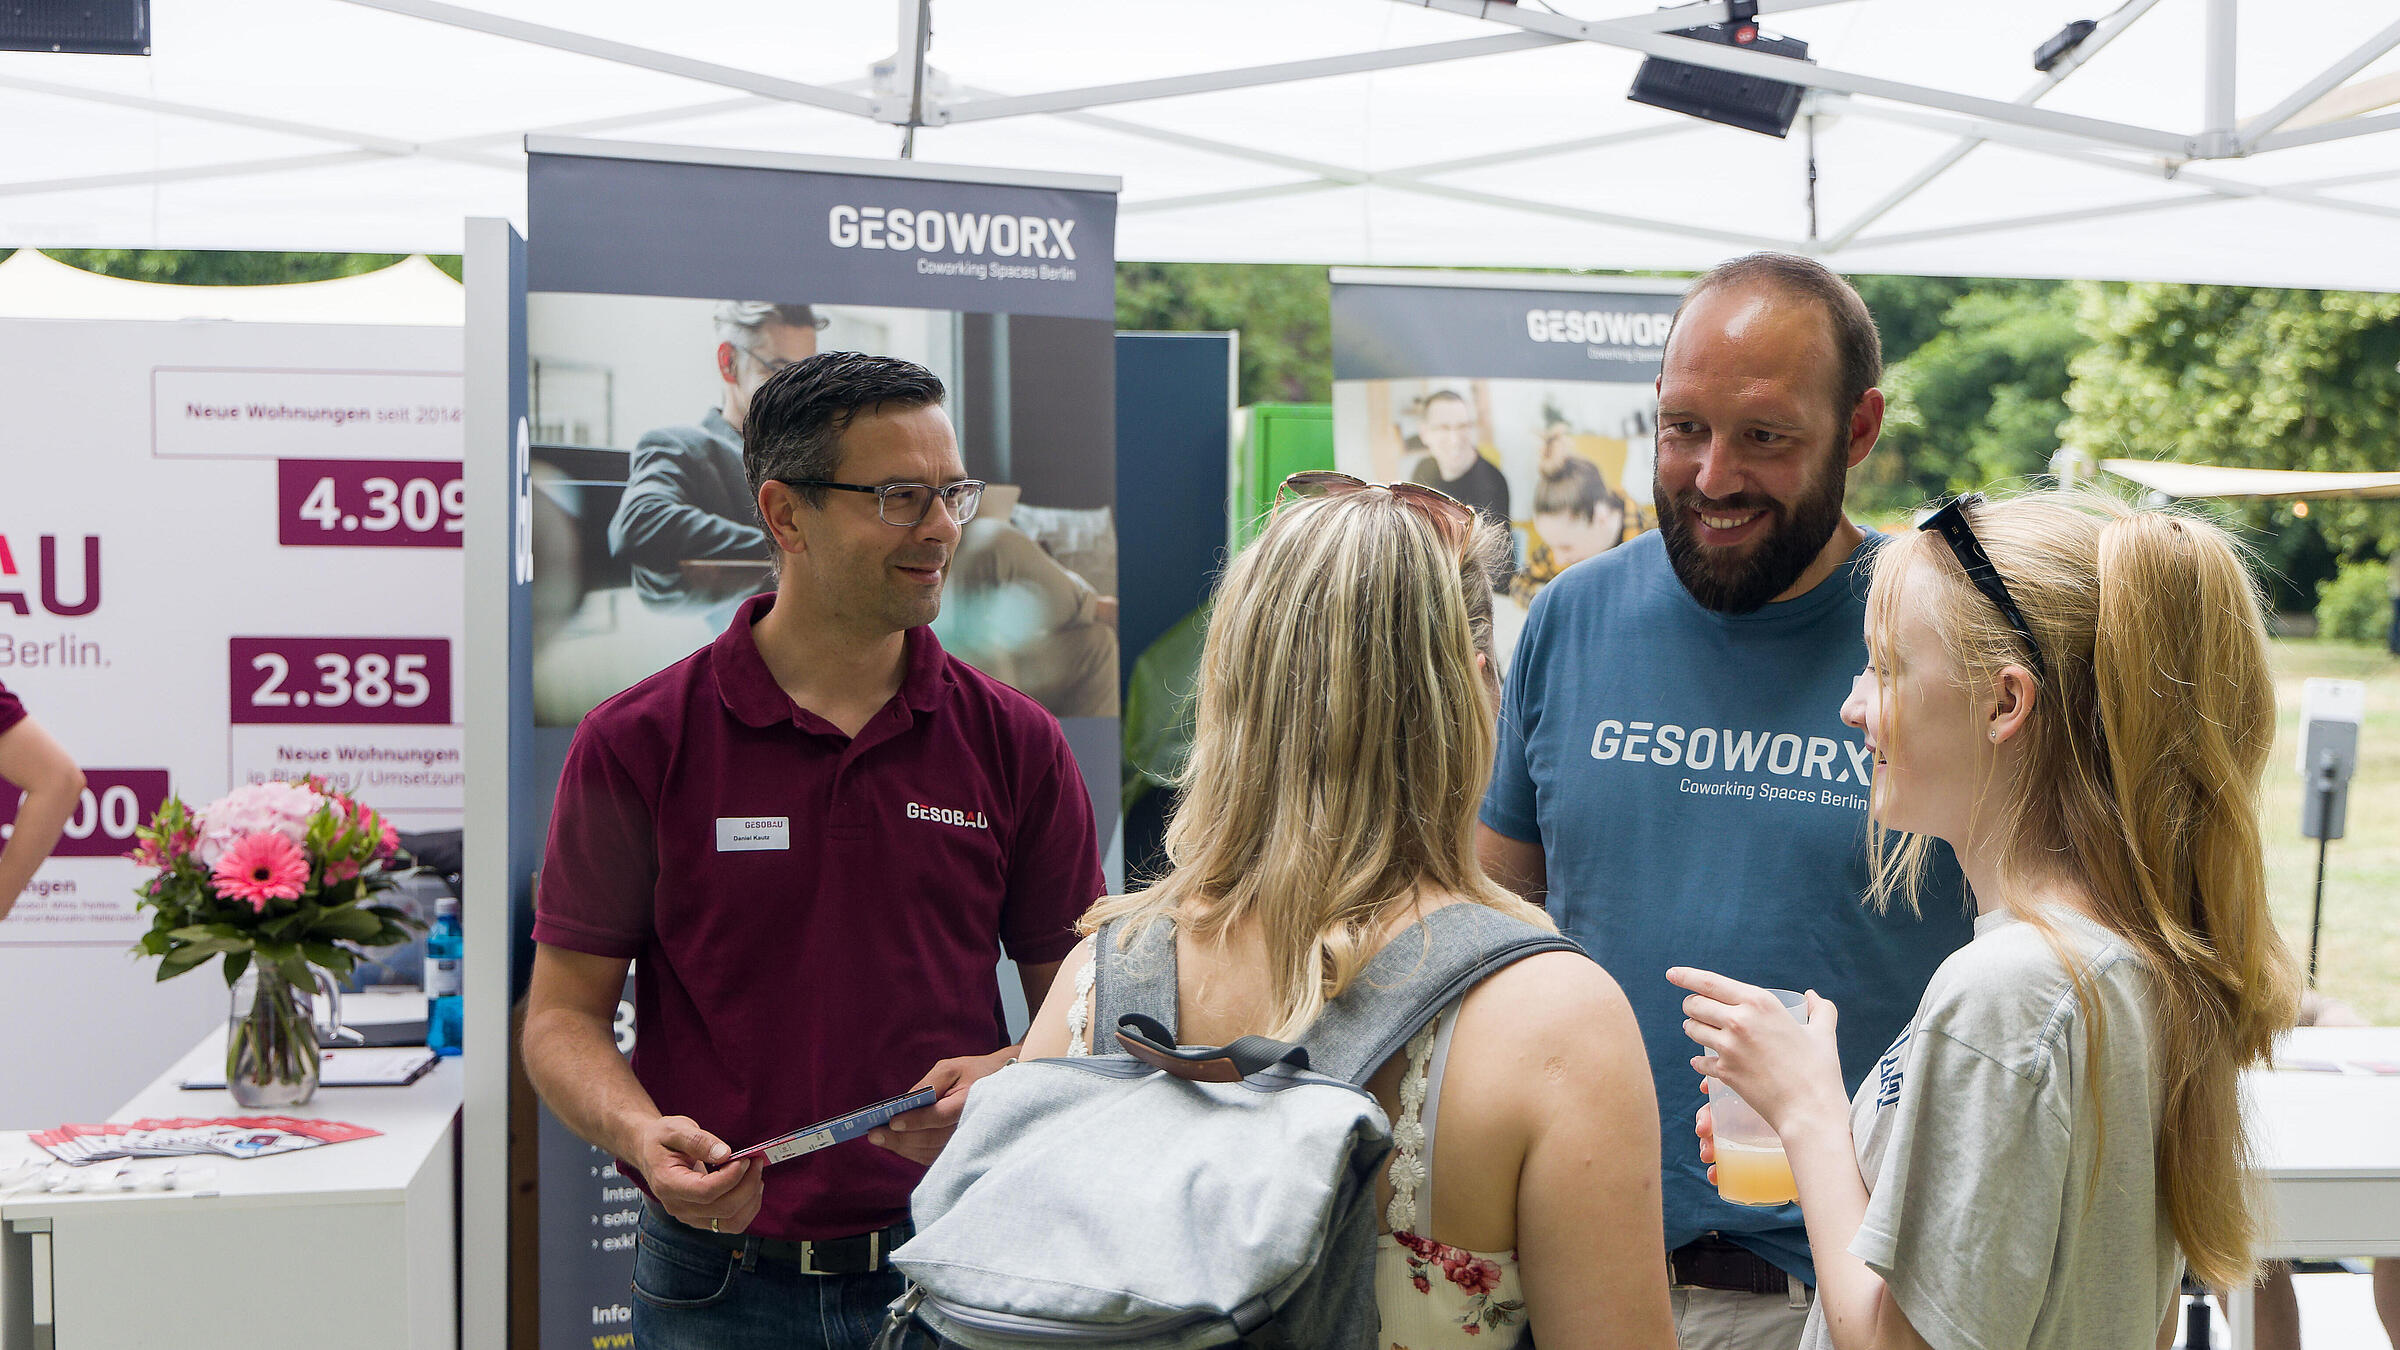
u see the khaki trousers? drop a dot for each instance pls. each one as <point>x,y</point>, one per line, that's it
<point>1726,1319</point>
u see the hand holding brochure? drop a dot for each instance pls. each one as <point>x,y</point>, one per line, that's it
<point>840,1129</point>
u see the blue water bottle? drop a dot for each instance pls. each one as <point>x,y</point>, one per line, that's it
<point>444,946</point>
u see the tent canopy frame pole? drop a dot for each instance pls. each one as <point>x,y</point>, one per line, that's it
<point>627,54</point>
<point>1739,62</point>
<point>2109,30</point>
<point>2259,128</point>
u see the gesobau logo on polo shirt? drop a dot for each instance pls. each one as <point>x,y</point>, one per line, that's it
<point>942,815</point>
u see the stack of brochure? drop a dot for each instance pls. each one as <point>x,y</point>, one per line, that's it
<point>186,1136</point>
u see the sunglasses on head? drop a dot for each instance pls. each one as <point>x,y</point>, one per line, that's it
<point>1951,524</point>
<point>1450,517</point>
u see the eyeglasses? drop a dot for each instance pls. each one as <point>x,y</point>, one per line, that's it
<point>1951,523</point>
<point>1450,517</point>
<point>775,365</point>
<point>909,503</point>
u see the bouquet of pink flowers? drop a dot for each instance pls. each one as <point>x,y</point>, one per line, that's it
<point>282,871</point>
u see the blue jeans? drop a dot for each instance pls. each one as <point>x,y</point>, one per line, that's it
<point>691,1294</point>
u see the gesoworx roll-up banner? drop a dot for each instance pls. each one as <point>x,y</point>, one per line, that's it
<point>665,284</point>
<point>228,552</point>
<point>1528,398</point>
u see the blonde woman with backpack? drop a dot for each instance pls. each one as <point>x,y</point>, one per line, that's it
<point>1344,736</point>
<point>2075,696</point>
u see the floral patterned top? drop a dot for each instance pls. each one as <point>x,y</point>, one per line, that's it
<point>1432,1295</point>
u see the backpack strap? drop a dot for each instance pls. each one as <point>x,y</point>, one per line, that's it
<point>1423,970</point>
<point>1139,979</point>
<point>1147,1041</point>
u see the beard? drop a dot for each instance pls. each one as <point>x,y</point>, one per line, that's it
<point>1743,580</point>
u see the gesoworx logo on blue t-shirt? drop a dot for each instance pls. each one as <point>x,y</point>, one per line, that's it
<point>1700,803</point>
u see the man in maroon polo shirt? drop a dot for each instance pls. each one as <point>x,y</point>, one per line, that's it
<point>817,834</point>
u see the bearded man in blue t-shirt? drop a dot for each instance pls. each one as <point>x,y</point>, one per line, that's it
<point>1673,770</point>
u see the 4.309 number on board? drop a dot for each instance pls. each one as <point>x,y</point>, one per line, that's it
<point>370,503</point>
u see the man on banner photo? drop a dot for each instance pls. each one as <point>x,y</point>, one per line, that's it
<point>818,834</point>
<point>1673,772</point>
<point>685,497</point>
<point>1454,462</point>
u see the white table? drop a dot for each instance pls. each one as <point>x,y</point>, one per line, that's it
<point>2329,1145</point>
<point>352,1244</point>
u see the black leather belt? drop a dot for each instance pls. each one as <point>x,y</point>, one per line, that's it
<point>862,1254</point>
<point>1711,1262</point>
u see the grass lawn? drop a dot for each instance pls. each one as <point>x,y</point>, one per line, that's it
<point>2358,959</point>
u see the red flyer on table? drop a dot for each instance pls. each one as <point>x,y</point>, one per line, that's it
<point>186,1136</point>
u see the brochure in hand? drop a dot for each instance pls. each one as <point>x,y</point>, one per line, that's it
<point>840,1129</point>
<point>185,1136</point>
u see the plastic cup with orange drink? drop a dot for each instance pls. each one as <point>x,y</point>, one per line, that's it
<point>1751,1166</point>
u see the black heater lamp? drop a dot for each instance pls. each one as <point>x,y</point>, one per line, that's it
<point>90,27</point>
<point>1745,101</point>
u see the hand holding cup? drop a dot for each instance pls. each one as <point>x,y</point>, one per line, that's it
<point>1773,1063</point>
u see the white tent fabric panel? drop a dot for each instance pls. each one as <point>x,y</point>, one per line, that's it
<point>382,124</point>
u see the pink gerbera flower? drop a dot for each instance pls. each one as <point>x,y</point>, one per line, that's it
<point>261,867</point>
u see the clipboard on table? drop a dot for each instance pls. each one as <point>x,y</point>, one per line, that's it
<point>840,1129</point>
<point>352,1066</point>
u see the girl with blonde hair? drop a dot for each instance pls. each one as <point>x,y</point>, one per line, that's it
<point>2075,696</point>
<point>1344,735</point>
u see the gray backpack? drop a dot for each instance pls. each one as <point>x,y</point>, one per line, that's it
<point>1169,1197</point>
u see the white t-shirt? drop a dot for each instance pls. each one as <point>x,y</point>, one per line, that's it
<point>2004,1211</point>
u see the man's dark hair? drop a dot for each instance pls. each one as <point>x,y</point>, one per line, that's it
<point>1439,394</point>
<point>1854,338</point>
<point>796,419</point>
<point>1576,487</point>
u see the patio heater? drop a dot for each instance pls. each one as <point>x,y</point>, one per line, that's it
<point>2330,714</point>
<point>88,27</point>
<point>1745,101</point>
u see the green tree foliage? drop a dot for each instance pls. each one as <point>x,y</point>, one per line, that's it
<point>1283,313</point>
<point>1908,310</point>
<point>1975,378</point>
<point>2355,604</point>
<point>2252,377</point>
<point>194,267</point>
<point>210,267</point>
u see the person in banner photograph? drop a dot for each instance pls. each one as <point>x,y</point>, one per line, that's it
<point>685,504</point>
<point>1455,435</point>
<point>1575,516</point>
<point>642,553</point>
<point>1021,616</point>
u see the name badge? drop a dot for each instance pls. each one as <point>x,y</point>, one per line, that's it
<point>753,834</point>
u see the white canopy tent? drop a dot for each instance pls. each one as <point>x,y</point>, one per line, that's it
<point>2215,480</point>
<point>2250,141</point>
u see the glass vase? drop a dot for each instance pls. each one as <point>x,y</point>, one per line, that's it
<point>271,1039</point>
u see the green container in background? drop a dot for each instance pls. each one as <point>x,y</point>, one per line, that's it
<point>1278,440</point>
